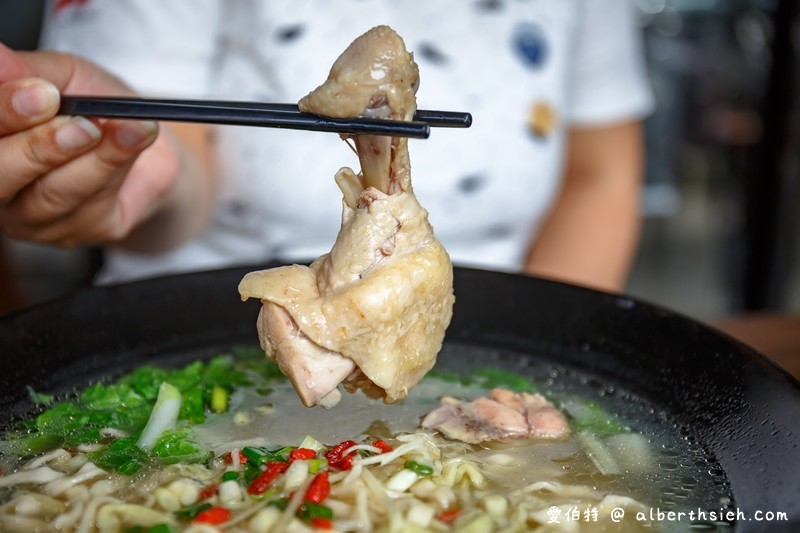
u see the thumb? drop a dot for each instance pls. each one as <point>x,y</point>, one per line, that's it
<point>12,66</point>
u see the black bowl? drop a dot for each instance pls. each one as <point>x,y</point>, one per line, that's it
<point>742,409</point>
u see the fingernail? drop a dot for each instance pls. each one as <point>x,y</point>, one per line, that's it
<point>132,134</point>
<point>36,99</point>
<point>77,133</point>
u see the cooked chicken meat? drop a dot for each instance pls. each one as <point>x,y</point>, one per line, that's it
<point>503,416</point>
<point>371,313</point>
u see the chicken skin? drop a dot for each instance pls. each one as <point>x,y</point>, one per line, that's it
<point>371,313</point>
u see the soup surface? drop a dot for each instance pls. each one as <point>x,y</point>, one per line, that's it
<point>227,446</point>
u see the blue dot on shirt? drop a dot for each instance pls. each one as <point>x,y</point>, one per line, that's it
<point>472,183</point>
<point>530,44</point>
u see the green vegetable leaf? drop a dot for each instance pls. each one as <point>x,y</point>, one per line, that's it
<point>39,398</point>
<point>122,456</point>
<point>33,444</point>
<point>145,380</point>
<point>127,405</point>
<point>78,425</point>
<point>221,371</point>
<point>490,378</point>
<point>486,377</point>
<point>249,353</point>
<point>99,397</point>
<point>591,417</point>
<point>193,407</point>
<point>450,377</point>
<point>187,377</point>
<point>175,446</point>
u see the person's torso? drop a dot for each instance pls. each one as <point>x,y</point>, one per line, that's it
<point>486,188</point>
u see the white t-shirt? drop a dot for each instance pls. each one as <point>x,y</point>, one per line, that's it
<point>486,188</point>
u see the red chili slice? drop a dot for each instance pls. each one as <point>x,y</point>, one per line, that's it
<point>319,488</point>
<point>321,523</point>
<point>335,458</point>
<point>382,446</point>
<point>265,479</point>
<point>301,454</point>
<point>334,455</point>
<point>215,515</point>
<point>229,458</point>
<point>209,491</point>
<point>346,463</point>
<point>448,516</point>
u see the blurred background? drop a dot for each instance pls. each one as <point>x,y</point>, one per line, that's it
<point>721,200</point>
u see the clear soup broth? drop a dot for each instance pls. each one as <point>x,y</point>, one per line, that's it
<point>265,463</point>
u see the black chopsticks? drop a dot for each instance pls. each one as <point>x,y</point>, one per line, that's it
<point>257,114</point>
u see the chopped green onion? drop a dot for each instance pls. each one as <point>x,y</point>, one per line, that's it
<point>259,456</point>
<point>423,470</point>
<point>269,493</point>
<point>317,465</point>
<point>281,454</point>
<point>230,476</point>
<point>191,512</point>
<point>310,510</point>
<point>312,444</point>
<point>251,472</point>
<point>280,503</point>
<point>219,399</point>
<point>161,528</point>
<point>255,455</point>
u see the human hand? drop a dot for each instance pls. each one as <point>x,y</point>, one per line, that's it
<point>73,181</point>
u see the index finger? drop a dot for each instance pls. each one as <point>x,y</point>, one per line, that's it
<point>13,66</point>
<point>58,68</point>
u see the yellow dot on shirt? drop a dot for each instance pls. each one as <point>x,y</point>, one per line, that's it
<point>542,119</point>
